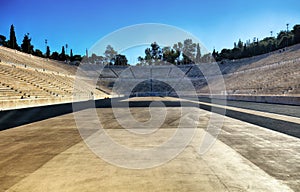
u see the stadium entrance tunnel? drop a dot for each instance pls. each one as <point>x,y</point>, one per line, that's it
<point>153,87</point>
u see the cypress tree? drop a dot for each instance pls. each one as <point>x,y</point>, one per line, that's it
<point>71,55</point>
<point>12,38</point>
<point>62,55</point>
<point>198,54</point>
<point>26,45</point>
<point>48,52</point>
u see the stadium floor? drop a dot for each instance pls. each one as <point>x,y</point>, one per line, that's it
<point>50,155</point>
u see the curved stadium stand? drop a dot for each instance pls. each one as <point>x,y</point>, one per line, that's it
<point>28,81</point>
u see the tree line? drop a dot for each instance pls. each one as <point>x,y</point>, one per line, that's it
<point>189,52</point>
<point>186,52</point>
<point>181,53</point>
<point>111,57</point>
<point>27,47</point>
<point>255,47</point>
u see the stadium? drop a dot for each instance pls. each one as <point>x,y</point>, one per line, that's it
<point>158,125</point>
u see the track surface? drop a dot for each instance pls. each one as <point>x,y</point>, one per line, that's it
<point>50,155</point>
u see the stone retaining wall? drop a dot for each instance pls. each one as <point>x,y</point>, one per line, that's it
<point>288,100</point>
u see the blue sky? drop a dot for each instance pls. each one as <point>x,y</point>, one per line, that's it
<point>81,23</point>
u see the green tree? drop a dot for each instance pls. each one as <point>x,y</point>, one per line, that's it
<point>178,46</point>
<point>225,54</point>
<point>62,55</point>
<point>284,39</point>
<point>55,55</point>
<point>235,53</point>
<point>148,54</point>
<point>26,44</point>
<point>141,61</point>
<point>198,54</point>
<point>153,55</point>
<point>240,45</point>
<point>245,52</point>
<point>12,43</point>
<point>156,52</point>
<point>38,53</point>
<point>215,54</point>
<point>296,32</point>
<point>48,52</point>
<point>140,58</point>
<point>121,60</point>
<point>188,52</point>
<point>110,54</point>
<point>3,40</point>
<point>71,55</point>
<point>170,55</point>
